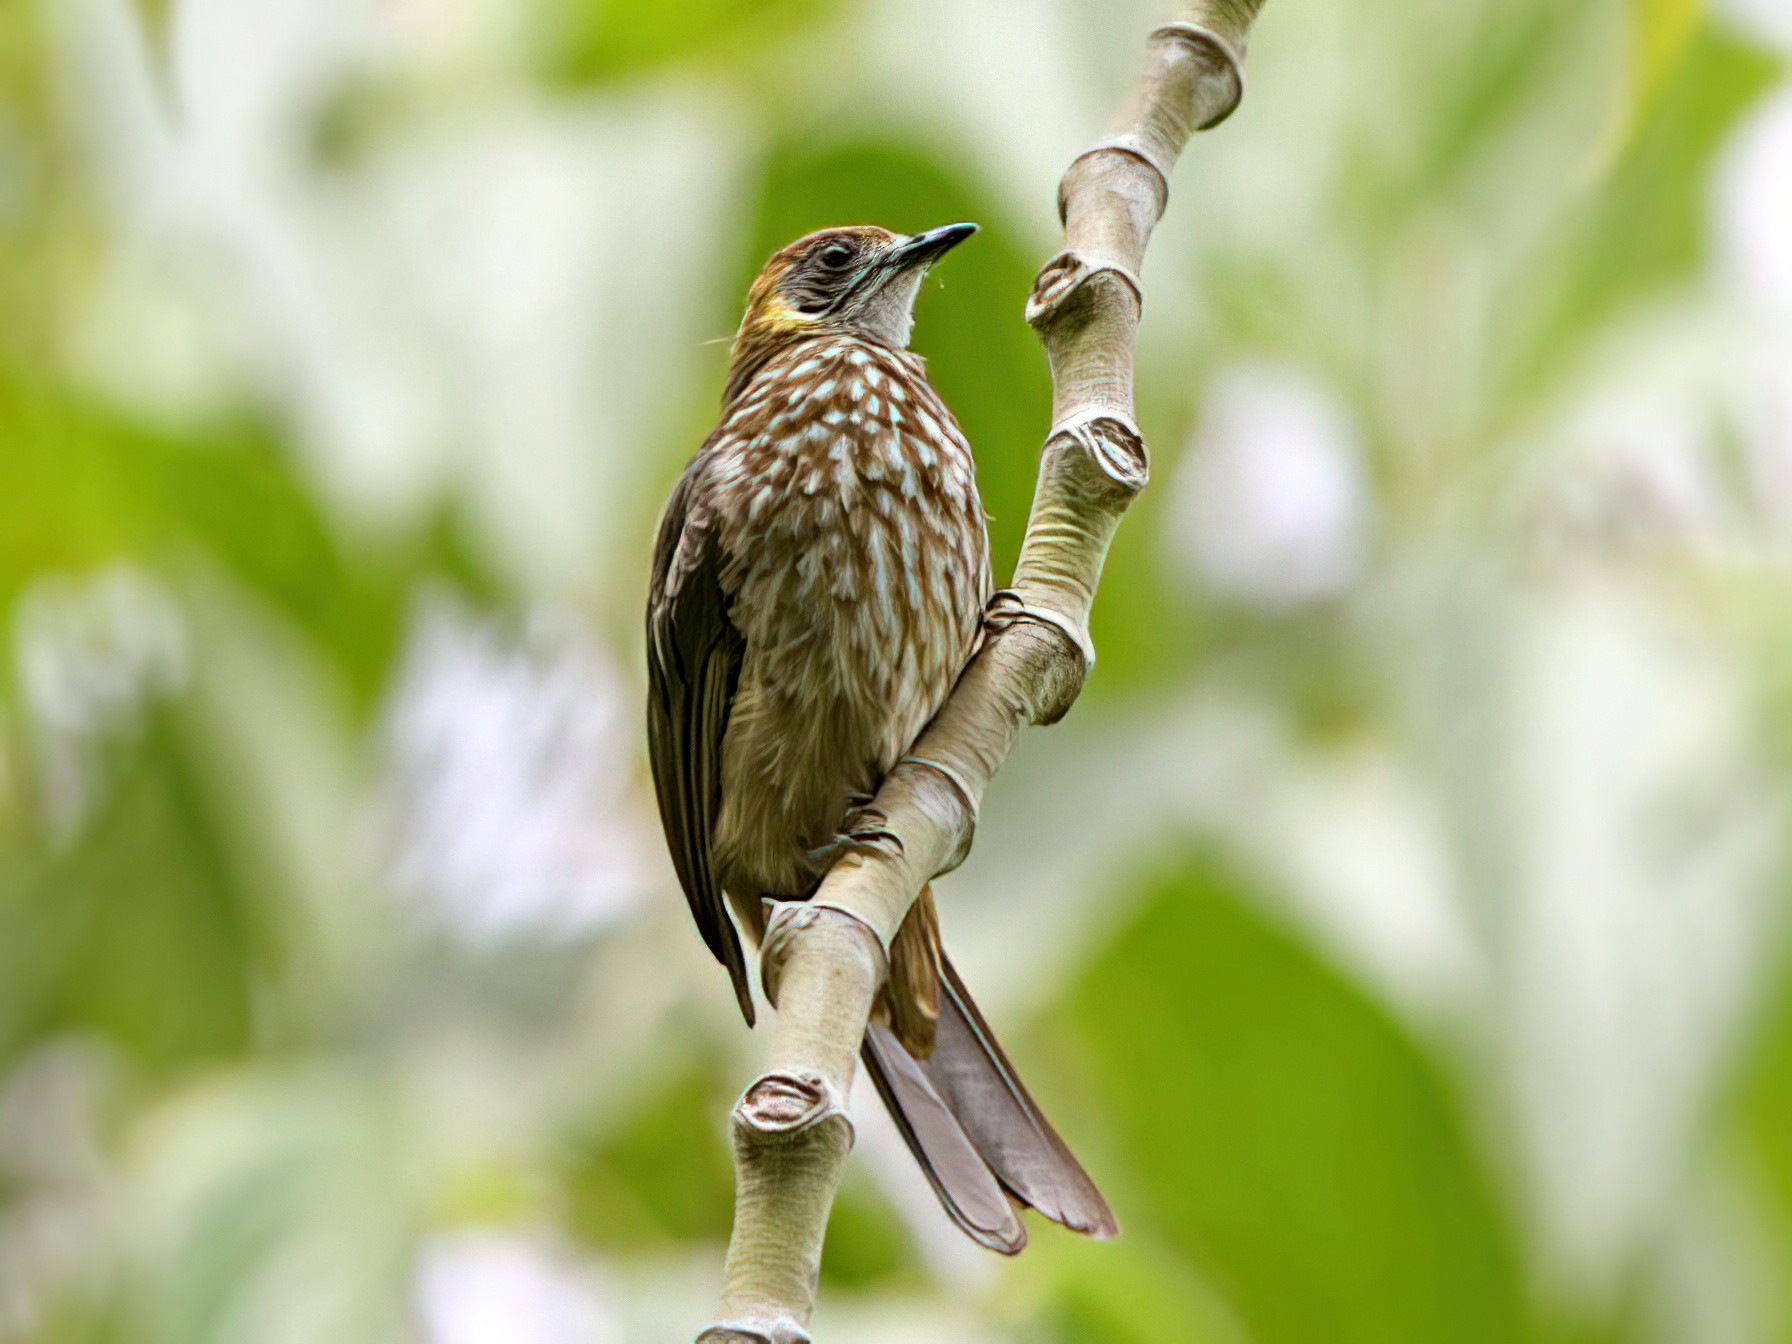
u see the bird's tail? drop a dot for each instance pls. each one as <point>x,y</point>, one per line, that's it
<point>979,1136</point>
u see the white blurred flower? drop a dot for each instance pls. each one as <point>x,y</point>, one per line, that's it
<point>1639,471</point>
<point>1753,206</point>
<point>1270,506</point>
<point>1751,211</point>
<point>54,1231</point>
<point>1005,82</point>
<point>1646,843</point>
<point>490,1287</point>
<point>1768,21</point>
<point>1762,407</point>
<point>90,654</point>
<point>510,753</point>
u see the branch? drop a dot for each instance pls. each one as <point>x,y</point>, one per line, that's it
<point>823,961</point>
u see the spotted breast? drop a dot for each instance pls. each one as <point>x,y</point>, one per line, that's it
<point>853,544</point>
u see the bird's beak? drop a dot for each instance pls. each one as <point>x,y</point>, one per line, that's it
<point>926,248</point>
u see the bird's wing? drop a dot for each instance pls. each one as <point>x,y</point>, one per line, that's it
<point>694,656</point>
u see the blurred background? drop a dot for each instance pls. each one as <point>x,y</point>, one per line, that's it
<point>1398,927</point>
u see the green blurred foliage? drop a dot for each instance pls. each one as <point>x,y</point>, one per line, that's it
<point>1645,229</point>
<point>1135,1291</point>
<point>287,1088</point>
<point>1758,1128</point>
<point>80,958</point>
<point>866,1249</point>
<point>1663,29</point>
<point>615,39</point>
<point>87,487</point>
<point>617,1197</point>
<point>1288,1138</point>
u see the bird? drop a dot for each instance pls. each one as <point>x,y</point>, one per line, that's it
<point>819,578</point>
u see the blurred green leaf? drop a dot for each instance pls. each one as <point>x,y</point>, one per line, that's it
<point>300,1175</point>
<point>1474,92</point>
<point>1287,1136</point>
<point>1133,1291</point>
<point>84,487</point>
<point>590,41</point>
<point>866,1246</point>
<point>665,1177</point>
<point>1759,1133</point>
<point>1662,31</point>
<point>1644,229</point>
<point>143,932</point>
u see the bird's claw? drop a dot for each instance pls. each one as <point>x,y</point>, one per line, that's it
<point>865,836</point>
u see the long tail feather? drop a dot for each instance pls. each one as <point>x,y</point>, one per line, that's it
<point>976,1131</point>
<point>964,1184</point>
<point>971,1074</point>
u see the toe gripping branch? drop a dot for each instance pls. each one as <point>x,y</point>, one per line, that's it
<point>864,831</point>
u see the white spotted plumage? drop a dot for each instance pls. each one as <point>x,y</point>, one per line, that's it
<point>854,544</point>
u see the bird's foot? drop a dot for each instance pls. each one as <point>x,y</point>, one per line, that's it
<point>862,843</point>
<point>863,831</point>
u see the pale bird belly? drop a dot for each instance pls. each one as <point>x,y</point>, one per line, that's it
<point>815,720</point>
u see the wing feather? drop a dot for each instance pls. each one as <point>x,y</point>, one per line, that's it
<point>694,657</point>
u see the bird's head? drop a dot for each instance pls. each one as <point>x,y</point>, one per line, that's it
<point>858,281</point>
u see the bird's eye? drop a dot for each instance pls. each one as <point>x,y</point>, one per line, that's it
<point>836,257</point>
